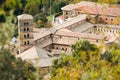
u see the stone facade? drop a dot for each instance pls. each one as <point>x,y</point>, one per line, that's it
<point>25,27</point>
<point>104,14</point>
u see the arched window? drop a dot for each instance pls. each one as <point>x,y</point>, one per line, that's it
<point>24,23</point>
<point>62,48</point>
<point>27,29</point>
<point>24,43</point>
<point>24,29</point>
<point>28,35</point>
<point>52,47</point>
<point>27,23</point>
<point>24,36</point>
<point>28,42</point>
<point>111,19</point>
<point>56,47</point>
<point>95,26</point>
<point>66,49</point>
<point>97,40</point>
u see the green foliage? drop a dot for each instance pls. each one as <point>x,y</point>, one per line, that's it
<point>56,6</point>
<point>6,33</point>
<point>15,32</point>
<point>15,5</point>
<point>32,8</point>
<point>2,1</point>
<point>118,2</point>
<point>40,17</point>
<point>41,21</point>
<point>2,18</point>
<point>83,46</point>
<point>41,24</point>
<point>15,69</point>
<point>10,67</point>
<point>82,49</point>
<point>112,54</point>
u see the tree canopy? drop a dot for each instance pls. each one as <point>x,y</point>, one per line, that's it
<point>12,68</point>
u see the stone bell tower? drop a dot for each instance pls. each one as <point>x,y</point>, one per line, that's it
<point>25,29</point>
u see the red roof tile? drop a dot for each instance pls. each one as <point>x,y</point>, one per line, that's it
<point>109,11</point>
<point>66,32</point>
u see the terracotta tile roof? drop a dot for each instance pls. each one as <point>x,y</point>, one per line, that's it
<point>25,16</point>
<point>69,7</point>
<point>109,11</point>
<point>69,37</point>
<point>33,53</point>
<point>83,27</point>
<point>44,62</point>
<point>55,28</point>
<point>85,3</point>
<point>66,41</point>
<point>82,3</point>
<point>43,33</point>
<point>94,8</point>
<point>66,32</point>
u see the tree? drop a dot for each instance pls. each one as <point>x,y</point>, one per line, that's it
<point>82,49</point>
<point>40,17</point>
<point>12,68</point>
<point>41,21</point>
<point>57,5</point>
<point>15,5</point>
<point>118,2</point>
<point>32,8</point>
<point>6,33</point>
